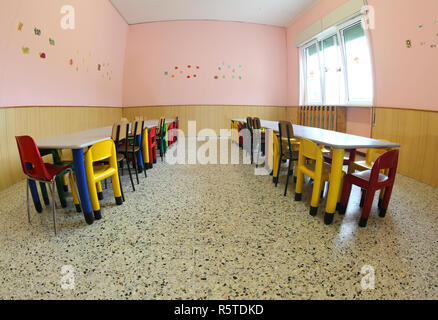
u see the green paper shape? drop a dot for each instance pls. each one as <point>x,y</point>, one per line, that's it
<point>223,77</point>
<point>37,31</point>
<point>240,77</point>
<point>166,73</point>
<point>51,41</point>
<point>219,68</point>
<point>25,50</point>
<point>420,26</point>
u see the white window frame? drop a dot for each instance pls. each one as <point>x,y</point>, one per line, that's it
<point>338,31</point>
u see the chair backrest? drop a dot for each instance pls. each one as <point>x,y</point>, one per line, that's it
<point>31,160</point>
<point>100,151</point>
<point>249,123</point>
<point>136,127</point>
<point>387,161</point>
<point>285,130</point>
<point>119,131</point>
<point>310,150</point>
<point>256,123</point>
<point>373,154</point>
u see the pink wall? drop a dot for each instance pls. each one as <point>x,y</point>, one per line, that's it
<point>100,36</point>
<point>404,78</point>
<point>156,48</point>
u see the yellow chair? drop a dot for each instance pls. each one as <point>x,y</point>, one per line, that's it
<point>104,150</point>
<point>311,163</point>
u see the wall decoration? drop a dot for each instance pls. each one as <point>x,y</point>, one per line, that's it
<point>433,45</point>
<point>408,44</point>
<point>166,73</point>
<point>71,62</point>
<point>99,67</point>
<point>20,26</point>
<point>25,50</point>
<point>42,55</point>
<point>37,31</point>
<point>230,71</point>
<point>420,26</point>
<point>51,41</point>
<point>216,77</point>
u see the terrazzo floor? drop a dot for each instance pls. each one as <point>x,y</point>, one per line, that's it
<point>220,232</point>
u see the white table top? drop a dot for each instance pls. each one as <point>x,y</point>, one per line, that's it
<point>83,139</point>
<point>333,139</point>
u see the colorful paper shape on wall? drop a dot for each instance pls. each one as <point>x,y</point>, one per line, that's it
<point>20,26</point>
<point>408,44</point>
<point>216,77</point>
<point>51,41</point>
<point>25,50</point>
<point>42,55</point>
<point>166,73</point>
<point>420,26</point>
<point>71,62</point>
<point>433,45</point>
<point>356,60</point>
<point>99,67</point>
<point>37,31</point>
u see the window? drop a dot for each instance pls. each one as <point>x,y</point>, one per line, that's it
<point>337,67</point>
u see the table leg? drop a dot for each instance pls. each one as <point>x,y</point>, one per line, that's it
<point>335,185</point>
<point>276,152</point>
<point>78,157</point>
<point>36,198</point>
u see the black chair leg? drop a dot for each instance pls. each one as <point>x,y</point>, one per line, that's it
<point>278,171</point>
<point>121,188</point>
<point>287,178</point>
<point>130,174</point>
<point>134,163</point>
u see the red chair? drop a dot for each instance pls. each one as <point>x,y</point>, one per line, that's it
<point>152,137</point>
<point>170,134</point>
<point>176,126</point>
<point>328,157</point>
<point>371,181</point>
<point>35,169</point>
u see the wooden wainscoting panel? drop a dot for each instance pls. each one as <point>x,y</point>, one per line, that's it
<point>41,123</point>
<point>417,132</point>
<point>206,117</point>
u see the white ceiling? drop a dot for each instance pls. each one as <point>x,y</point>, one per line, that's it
<point>279,13</point>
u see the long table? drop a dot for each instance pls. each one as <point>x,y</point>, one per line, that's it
<point>338,141</point>
<point>77,142</point>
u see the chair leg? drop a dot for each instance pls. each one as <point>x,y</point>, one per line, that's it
<point>367,208</point>
<point>52,190</point>
<point>130,174</point>
<point>28,204</point>
<point>134,163</point>
<point>74,192</point>
<point>362,197</point>
<point>287,178</point>
<point>385,201</point>
<point>121,188</point>
<point>346,191</point>
<point>315,196</point>
<point>99,190</point>
<point>278,171</point>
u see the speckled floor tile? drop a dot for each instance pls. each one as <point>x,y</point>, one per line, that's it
<point>220,232</point>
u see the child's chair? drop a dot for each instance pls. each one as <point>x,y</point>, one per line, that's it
<point>317,169</point>
<point>152,144</point>
<point>35,169</point>
<point>367,164</point>
<point>103,150</point>
<point>371,181</point>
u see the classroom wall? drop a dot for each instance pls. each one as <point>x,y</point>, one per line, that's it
<point>406,98</point>
<point>41,123</point>
<point>256,53</point>
<point>404,78</point>
<point>99,37</point>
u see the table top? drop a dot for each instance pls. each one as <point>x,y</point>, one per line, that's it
<point>333,139</point>
<point>83,139</point>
